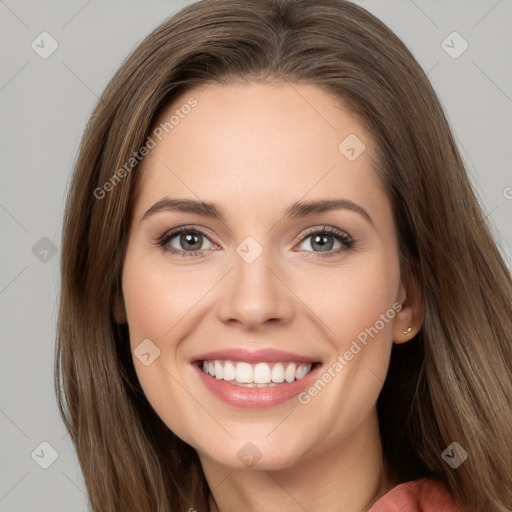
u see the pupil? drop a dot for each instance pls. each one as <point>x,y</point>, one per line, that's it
<point>324,246</point>
<point>190,238</point>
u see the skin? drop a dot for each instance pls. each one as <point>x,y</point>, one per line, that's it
<point>253,150</point>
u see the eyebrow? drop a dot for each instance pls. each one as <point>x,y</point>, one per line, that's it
<point>296,210</point>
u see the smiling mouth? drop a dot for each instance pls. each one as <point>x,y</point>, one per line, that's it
<point>260,375</point>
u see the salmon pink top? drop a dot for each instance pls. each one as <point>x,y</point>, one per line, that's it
<point>423,495</point>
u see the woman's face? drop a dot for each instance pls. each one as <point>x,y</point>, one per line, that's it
<point>260,284</point>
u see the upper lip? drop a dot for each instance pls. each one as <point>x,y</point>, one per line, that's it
<point>253,356</point>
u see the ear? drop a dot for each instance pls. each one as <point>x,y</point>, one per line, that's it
<point>118,309</point>
<point>411,314</point>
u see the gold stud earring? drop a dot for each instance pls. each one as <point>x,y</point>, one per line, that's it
<point>409,329</point>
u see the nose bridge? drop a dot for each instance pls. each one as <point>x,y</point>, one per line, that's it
<point>255,294</point>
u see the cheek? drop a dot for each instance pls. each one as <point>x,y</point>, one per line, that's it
<point>356,306</point>
<point>352,298</point>
<point>157,298</point>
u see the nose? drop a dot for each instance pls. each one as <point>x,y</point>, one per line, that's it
<point>256,295</point>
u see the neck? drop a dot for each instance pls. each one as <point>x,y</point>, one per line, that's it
<point>349,477</point>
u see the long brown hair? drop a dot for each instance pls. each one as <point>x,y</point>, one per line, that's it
<point>452,383</point>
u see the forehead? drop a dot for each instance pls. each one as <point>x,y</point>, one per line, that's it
<point>243,142</point>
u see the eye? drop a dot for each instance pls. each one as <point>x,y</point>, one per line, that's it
<point>189,240</point>
<point>325,239</point>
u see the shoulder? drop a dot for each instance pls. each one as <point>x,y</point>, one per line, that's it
<point>423,495</point>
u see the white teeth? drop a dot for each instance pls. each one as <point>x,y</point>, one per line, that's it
<point>229,371</point>
<point>259,375</point>
<point>262,374</point>
<point>219,371</point>
<point>243,373</point>
<point>289,374</point>
<point>302,371</point>
<point>252,384</point>
<point>278,373</point>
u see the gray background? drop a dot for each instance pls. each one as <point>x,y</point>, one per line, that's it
<point>44,105</point>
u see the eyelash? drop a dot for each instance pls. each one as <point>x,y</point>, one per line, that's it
<point>346,241</point>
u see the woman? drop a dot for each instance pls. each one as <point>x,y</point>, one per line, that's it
<point>249,371</point>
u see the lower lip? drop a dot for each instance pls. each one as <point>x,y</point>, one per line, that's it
<point>256,398</point>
